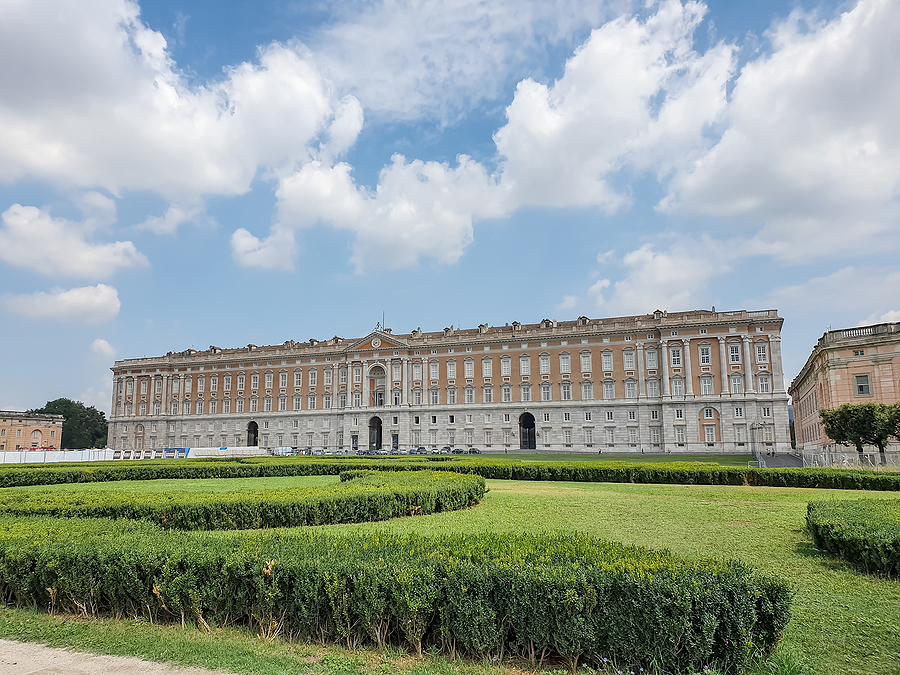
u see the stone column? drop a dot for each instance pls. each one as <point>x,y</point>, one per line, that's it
<point>777,369</point>
<point>723,366</point>
<point>426,383</point>
<point>748,366</point>
<point>664,365</point>
<point>364,399</point>
<point>689,380</point>
<point>642,386</point>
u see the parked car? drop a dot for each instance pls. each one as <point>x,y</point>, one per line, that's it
<point>458,451</point>
<point>418,451</point>
<point>474,451</point>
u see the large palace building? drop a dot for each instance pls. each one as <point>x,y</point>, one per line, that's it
<point>687,382</point>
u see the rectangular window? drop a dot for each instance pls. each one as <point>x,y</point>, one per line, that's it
<point>311,402</point>
<point>565,363</point>
<point>507,437</point>
<point>653,388</point>
<point>610,436</point>
<point>526,394</point>
<point>862,385</point>
<point>654,414</point>
<point>525,365</point>
<point>677,387</point>
<point>654,435</point>
<point>470,395</point>
<point>545,364</point>
<point>451,369</point>
<point>326,401</point>
<point>734,353</point>
<point>143,409</point>
<point>709,433</point>
<point>269,377</point>
<point>342,400</point>
<point>213,407</point>
<point>588,415</point>
<point>240,382</point>
<point>587,391</point>
<point>357,374</point>
<point>546,417</point>
<point>651,359</point>
<point>632,416</point>
<point>675,356</point>
<point>609,390</point>
<point>227,383</point>
<point>606,361</point>
<point>679,435</point>
<point>705,356</point>
<point>588,436</point>
<point>567,436</point>
<point>632,435</point>
<point>417,372</point>
<point>226,405</point>
<point>240,405</point>
<point>505,366</point>
<point>768,434</point>
<point>545,392</point>
<point>706,386</point>
<point>487,437</point>
<point>766,411</point>
<point>738,411</point>
<point>609,415</point>
<point>566,391</point>
<point>630,389</point>
<point>254,381</point>
<point>762,352</point>
<point>451,395</point>
<point>629,360</point>
<point>326,376</point>
<point>470,368</point>
<point>144,386</point>
<point>313,377</point>
<point>435,398</point>
<point>417,397</point>
<point>434,370</point>
<point>740,433</point>
<point>396,372</point>
<point>487,367</point>
<point>737,384</point>
<point>396,397</point>
<point>357,398</point>
<point>586,362</point>
<point>282,379</point>
<point>765,384</point>
<point>506,393</point>
<point>679,413</point>
<point>470,436</point>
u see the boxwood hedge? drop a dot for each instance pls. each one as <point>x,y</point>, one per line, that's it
<point>684,473</point>
<point>866,532</point>
<point>362,496</point>
<point>571,597</point>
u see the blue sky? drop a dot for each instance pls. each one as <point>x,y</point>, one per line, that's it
<point>178,175</point>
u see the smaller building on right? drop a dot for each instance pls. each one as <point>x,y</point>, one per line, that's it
<point>853,365</point>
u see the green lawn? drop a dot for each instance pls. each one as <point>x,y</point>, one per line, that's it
<point>844,622</point>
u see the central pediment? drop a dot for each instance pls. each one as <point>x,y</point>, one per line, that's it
<point>374,341</point>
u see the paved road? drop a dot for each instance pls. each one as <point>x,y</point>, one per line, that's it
<point>21,658</point>
<point>783,461</point>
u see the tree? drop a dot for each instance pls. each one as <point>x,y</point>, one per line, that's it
<point>861,424</point>
<point>83,427</point>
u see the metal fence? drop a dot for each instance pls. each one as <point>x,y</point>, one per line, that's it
<point>889,461</point>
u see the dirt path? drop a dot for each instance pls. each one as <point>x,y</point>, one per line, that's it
<point>22,658</point>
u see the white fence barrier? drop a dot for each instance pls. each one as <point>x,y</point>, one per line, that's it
<point>852,459</point>
<point>108,454</point>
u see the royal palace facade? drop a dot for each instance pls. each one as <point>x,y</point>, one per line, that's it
<point>687,382</point>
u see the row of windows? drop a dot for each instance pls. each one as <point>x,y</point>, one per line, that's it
<point>487,368</point>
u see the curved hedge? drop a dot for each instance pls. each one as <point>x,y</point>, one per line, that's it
<point>596,471</point>
<point>362,496</point>
<point>573,597</point>
<point>865,532</point>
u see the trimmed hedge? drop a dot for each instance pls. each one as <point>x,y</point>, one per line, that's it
<point>682,473</point>
<point>362,496</point>
<point>571,597</point>
<point>865,532</point>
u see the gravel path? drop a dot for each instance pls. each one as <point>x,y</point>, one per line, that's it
<point>22,658</point>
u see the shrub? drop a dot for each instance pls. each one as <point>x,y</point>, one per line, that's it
<point>574,597</point>
<point>865,532</point>
<point>362,496</point>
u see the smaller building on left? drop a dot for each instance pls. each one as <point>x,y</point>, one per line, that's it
<point>26,431</point>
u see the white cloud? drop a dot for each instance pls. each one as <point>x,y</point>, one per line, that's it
<point>32,238</point>
<point>812,146</point>
<point>848,290</point>
<point>89,304</point>
<point>418,209</point>
<point>568,302</point>
<point>634,94</point>
<point>411,59</point>
<point>606,257</point>
<point>102,348</point>
<point>274,252</point>
<point>671,279</point>
<point>101,104</point>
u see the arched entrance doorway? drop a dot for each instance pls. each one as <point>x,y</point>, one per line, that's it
<point>253,434</point>
<point>526,432</point>
<point>375,433</point>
